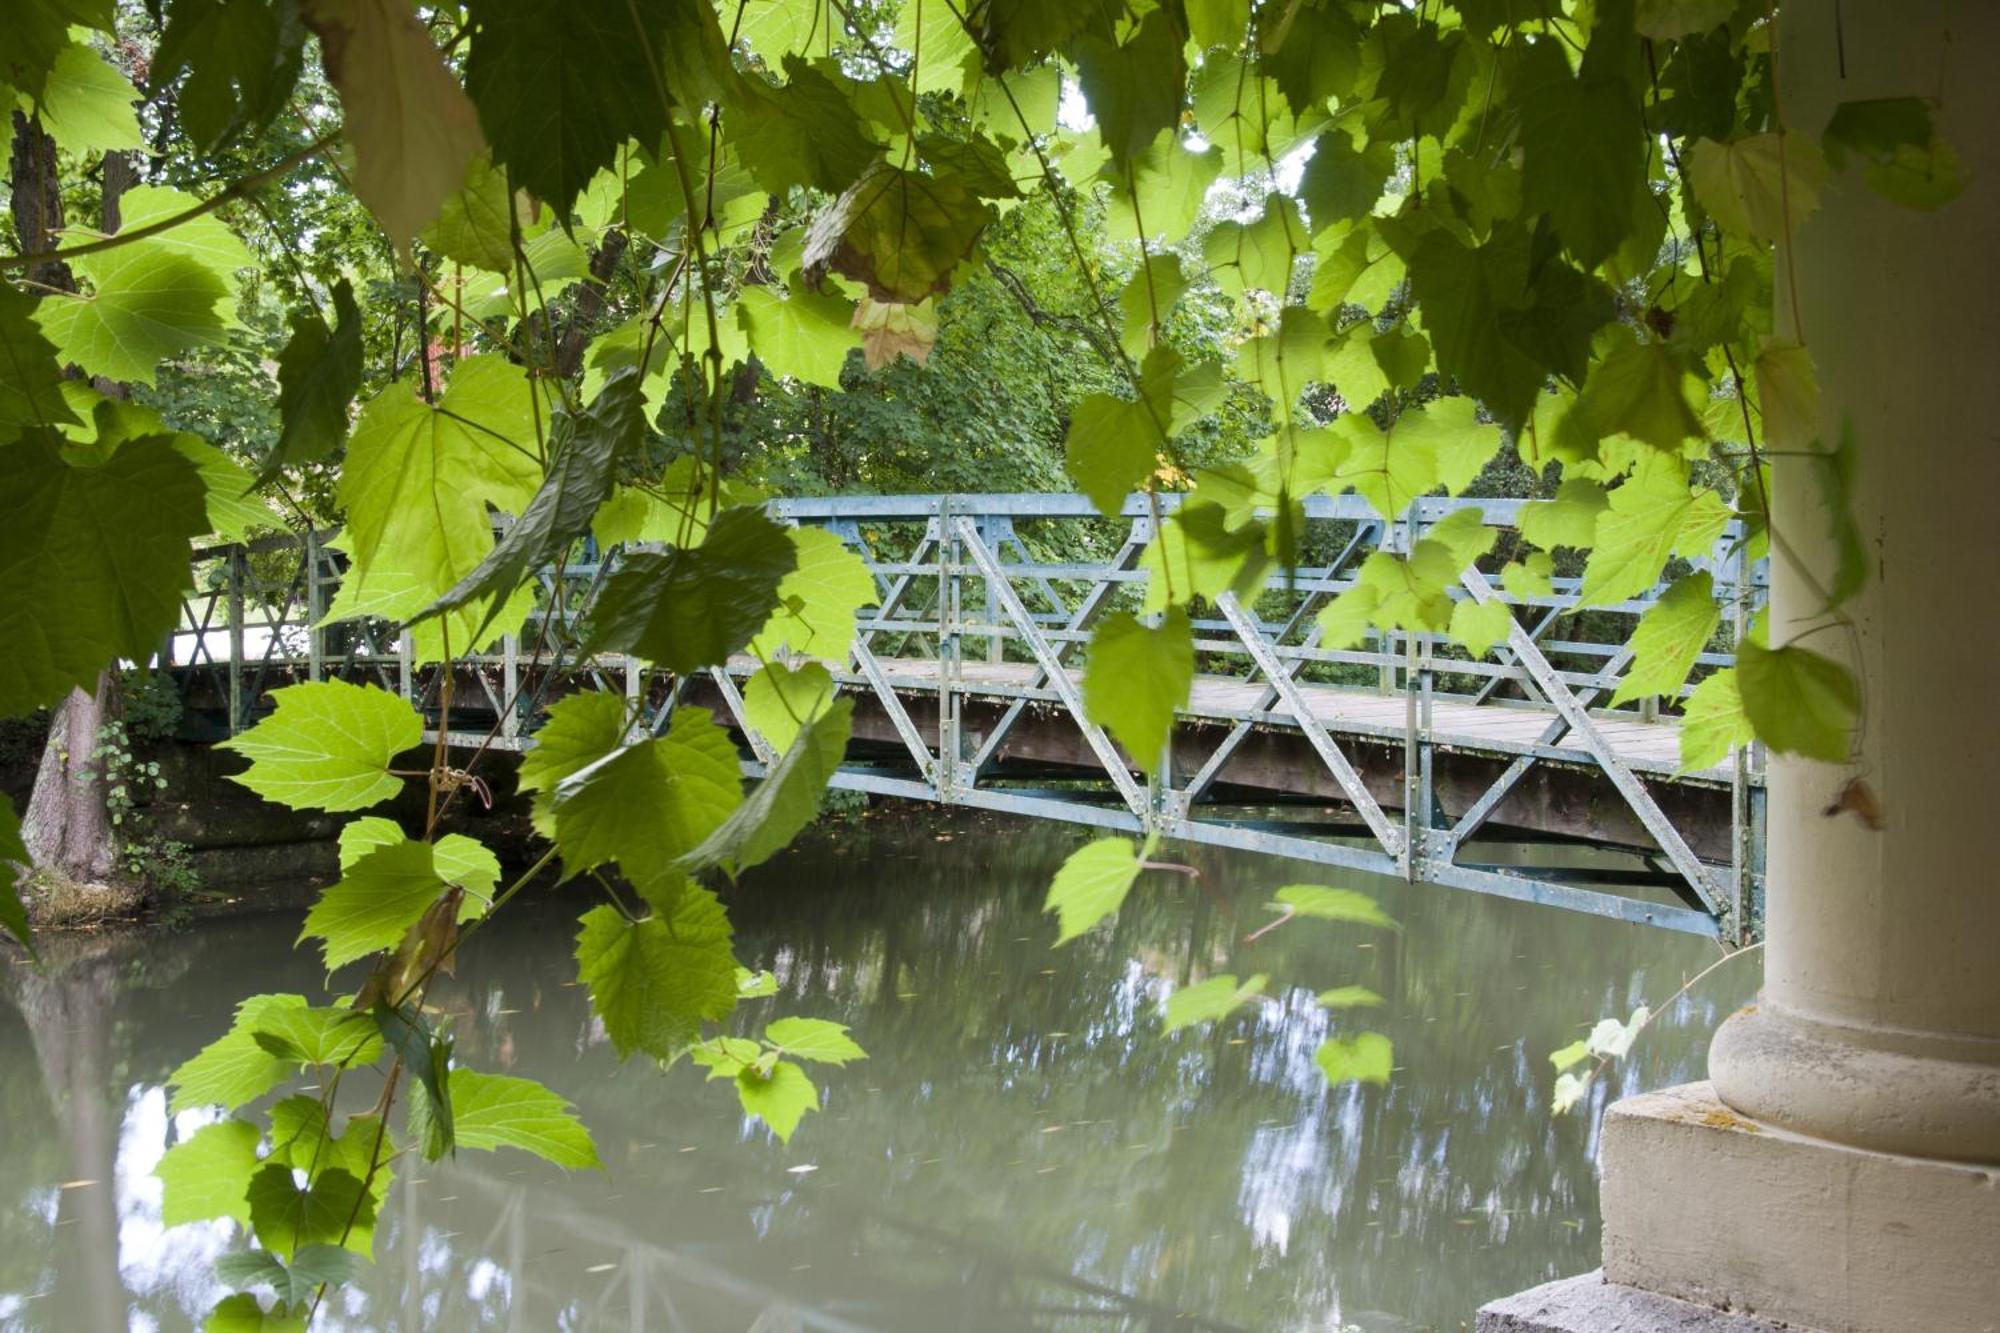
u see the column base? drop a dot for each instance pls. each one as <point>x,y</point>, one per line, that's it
<point>1705,1206</point>
<point>1589,1304</point>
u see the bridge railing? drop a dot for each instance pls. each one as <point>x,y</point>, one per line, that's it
<point>994,596</point>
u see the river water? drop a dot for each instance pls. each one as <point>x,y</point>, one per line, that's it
<point>1023,1150</point>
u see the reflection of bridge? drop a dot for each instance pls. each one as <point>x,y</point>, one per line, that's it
<point>1396,758</point>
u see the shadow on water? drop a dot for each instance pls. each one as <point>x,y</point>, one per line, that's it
<point>1023,1150</point>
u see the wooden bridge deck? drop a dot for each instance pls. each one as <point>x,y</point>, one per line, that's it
<point>1494,728</point>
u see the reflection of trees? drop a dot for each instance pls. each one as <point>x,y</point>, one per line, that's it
<point>1020,1119</point>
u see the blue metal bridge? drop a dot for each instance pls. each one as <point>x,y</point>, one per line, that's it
<point>1405,756</point>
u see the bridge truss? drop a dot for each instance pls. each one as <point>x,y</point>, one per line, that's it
<point>1405,756</point>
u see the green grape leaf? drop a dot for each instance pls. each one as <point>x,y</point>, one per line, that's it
<point>319,372</point>
<point>1111,449</point>
<point>1908,162</point>
<point>1133,87</point>
<point>1797,701</point>
<point>37,34</point>
<point>234,1068</point>
<point>901,232</point>
<point>493,1111</point>
<point>1091,885</point>
<point>818,599</point>
<point>1206,1001</point>
<point>1134,678</point>
<point>694,606</point>
<point>375,902</point>
<point>1649,517</point>
<point>1257,254</point>
<point>411,125</point>
<point>241,60</point>
<point>1363,1058</point>
<point>1478,626</point>
<point>418,478</point>
<point>1639,389</point>
<point>287,1218</point>
<point>207,1174</point>
<point>1584,150</point>
<point>560,88</point>
<point>784,802</point>
<point>328,746</point>
<point>97,557</point>
<point>1713,722</point>
<point>804,133</point>
<point>1349,997</point>
<point>589,449</point>
<point>86,105</point>
<point>1344,621</point>
<point>242,1314</point>
<point>645,805</point>
<point>1669,636</point>
<point>814,1039</point>
<point>1160,192</point>
<point>1761,186</point>
<point>31,377</point>
<point>582,729</point>
<point>1342,183</point>
<point>477,223</point>
<point>804,336</point>
<point>1148,298</point>
<point>937,42</point>
<point>319,1036</point>
<point>1328,904</point>
<point>1568,520</point>
<point>654,981</point>
<point>780,701</point>
<point>149,303</point>
<point>780,1098</point>
<point>1533,575</point>
<point>1391,468</point>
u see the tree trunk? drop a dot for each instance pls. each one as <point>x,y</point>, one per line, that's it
<point>67,827</point>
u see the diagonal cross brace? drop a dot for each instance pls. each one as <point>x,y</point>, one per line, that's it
<point>1107,754</point>
<point>1337,763</point>
<point>1529,653</point>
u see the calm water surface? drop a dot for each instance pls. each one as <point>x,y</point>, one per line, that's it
<point>1024,1149</point>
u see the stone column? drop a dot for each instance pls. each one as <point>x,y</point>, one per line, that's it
<point>1842,1172</point>
<point>1879,1022</point>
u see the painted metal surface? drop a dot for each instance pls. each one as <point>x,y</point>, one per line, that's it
<point>991,598</point>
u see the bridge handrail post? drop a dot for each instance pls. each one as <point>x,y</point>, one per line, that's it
<point>238,568</point>
<point>315,608</point>
<point>949,587</point>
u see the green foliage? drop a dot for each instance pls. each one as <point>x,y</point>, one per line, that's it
<point>695,606</point>
<point>1670,635</point>
<point>1365,1057</point>
<point>328,746</point>
<point>655,980</point>
<point>1206,1001</point>
<point>1135,676</point>
<point>1092,884</point>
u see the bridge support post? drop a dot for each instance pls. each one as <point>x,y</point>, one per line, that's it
<point>1842,1171</point>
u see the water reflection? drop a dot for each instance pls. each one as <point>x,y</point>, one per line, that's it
<point>1023,1149</point>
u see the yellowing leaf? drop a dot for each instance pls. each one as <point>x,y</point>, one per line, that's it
<point>411,124</point>
<point>1670,635</point>
<point>1761,186</point>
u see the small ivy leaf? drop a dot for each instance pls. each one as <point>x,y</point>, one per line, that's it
<point>779,1097</point>
<point>1206,1001</point>
<point>1363,1058</point>
<point>814,1039</point>
<point>1328,904</point>
<point>1349,997</point>
<point>1091,885</point>
<point>1574,1053</point>
<point>1569,1091</point>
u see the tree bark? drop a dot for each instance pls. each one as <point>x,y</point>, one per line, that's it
<point>67,827</point>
